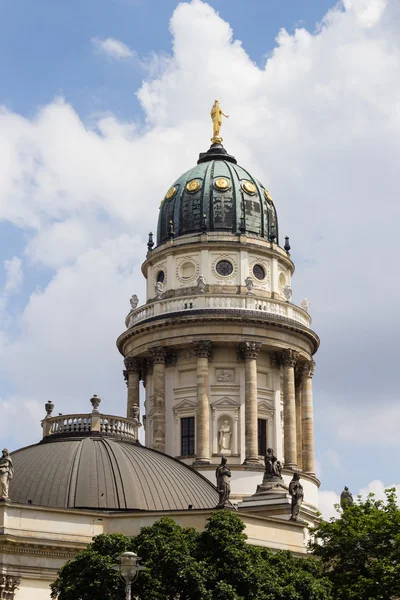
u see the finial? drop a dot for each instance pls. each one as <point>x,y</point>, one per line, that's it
<point>49,406</point>
<point>95,402</point>
<point>150,243</point>
<point>204,223</point>
<point>287,245</point>
<point>171,232</point>
<point>272,233</point>
<point>216,117</point>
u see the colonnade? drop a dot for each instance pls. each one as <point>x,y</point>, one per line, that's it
<point>297,401</point>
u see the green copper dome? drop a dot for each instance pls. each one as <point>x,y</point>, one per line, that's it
<point>217,195</point>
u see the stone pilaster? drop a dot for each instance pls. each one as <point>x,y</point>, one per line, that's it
<point>158,354</point>
<point>288,360</point>
<point>307,417</point>
<point>203,351</point>
<point>299,434</point>
<point>132,377</point>
<point>249,351</point>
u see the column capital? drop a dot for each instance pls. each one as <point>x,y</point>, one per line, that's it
<point>308,368</point>
<point>203,349</point>
<point>248,350</point>
<point>132,364</point>
<point>8,585</point>
<point>158,354</point>
<point>289,357</point>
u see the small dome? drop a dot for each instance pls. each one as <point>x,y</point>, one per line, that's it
<point>105,473</point>
<point>217,195</point>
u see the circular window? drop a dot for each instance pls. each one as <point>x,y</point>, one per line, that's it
<point>188,269</point>
<point>224,268</point>
<point>160,277</point>
<point>259,272</point>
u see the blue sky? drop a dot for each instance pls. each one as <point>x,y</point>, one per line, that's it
<point>86,126</point>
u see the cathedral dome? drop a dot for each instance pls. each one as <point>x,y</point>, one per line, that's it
<point>217,195</point>
<point>105,473</point>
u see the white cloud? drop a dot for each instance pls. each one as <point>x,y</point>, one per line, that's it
<point>112,48</point>
<point>14,275</point>
<point>319,124</point>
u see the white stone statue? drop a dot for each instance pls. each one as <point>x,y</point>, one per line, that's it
<point>224,437</point>
<point>6,473</point>
<point>201,283</point>
<point>287,292</point>
<point>159,289</point>
<point>249,284</point>
<point>305,304</point>
<point>134,301</point>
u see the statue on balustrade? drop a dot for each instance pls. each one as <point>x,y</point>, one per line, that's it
<point>297,493</point>
<point>6,473</point>
<point>135,412</point>
<point>134,301</point>
<point>273,466</point>
<point>346,498</point>
<point>224,437</point>
<point>223,473</point>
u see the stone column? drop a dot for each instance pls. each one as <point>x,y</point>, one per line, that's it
<point>203,350</point>
<point>158,354</point>
<point>299,436</point>
<point>132,377</point>
<point>288,360</point>
<point>249,351</point>
<point>307,417</point>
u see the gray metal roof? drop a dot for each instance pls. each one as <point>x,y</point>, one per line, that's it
<point>106,474</point>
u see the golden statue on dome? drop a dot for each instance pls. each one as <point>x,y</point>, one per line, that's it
<point>216,117</point>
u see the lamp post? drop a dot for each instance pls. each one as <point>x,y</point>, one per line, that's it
<point>129,569</point>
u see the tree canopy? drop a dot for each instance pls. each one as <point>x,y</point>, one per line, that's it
<point>360,550</point>
<point>181,563</point>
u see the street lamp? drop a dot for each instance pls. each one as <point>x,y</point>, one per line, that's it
<point>129,569</point>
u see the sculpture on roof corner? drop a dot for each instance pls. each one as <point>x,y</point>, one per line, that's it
<point>6,473</point>
<point>346,498</point>
<point>223,473</point>
<point>216,117</point>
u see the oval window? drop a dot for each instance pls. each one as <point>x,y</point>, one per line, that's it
<point>224,268</point>
<point>259,272</point>
<point>188,269</point>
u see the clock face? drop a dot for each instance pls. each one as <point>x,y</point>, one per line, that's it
<point>249,187</point>
<point>224,268</point>
<point>171,193</point>
<point>193,185</point>
<point>221,183</point>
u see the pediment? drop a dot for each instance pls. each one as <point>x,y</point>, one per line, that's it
<point>265,406</point>
<point>184,405</point>
<point>224,401</point>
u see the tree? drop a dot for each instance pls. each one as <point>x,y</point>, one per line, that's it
<point>360,550</point>
<point>181,563</point>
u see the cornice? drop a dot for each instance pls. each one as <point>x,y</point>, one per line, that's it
<point>218,316</point>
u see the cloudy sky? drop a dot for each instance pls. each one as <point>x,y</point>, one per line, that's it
<point>105,102</point>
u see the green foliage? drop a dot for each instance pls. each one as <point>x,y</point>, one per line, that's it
<point>183,564</point>
<point>360,551</point>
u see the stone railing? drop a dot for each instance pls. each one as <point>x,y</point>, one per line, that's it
<point>79,424</point>
<point>208,302</point>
